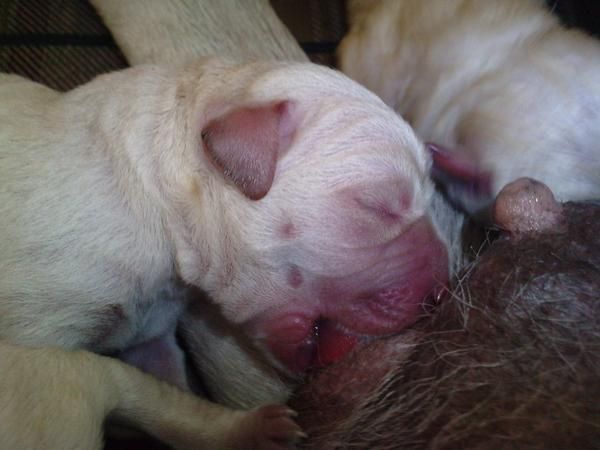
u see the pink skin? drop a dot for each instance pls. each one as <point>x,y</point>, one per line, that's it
<point>384,298</point>
<point>526,206</point>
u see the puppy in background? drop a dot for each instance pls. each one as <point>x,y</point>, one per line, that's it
<point>499,88</point>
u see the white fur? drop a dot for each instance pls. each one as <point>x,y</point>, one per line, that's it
<point>157,31</point>
<point>107,198</point>
<point>500,81</point>
<point>57,399</point>
<point>180,30</point>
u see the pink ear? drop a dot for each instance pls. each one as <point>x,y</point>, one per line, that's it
<point>247,142</point>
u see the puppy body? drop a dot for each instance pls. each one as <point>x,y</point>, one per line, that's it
<point>501,84</point>
<point>85,264</point>
<point>76,390</point>
<point>154,31</point>
<point>72,205</point>
<point>289,194</point>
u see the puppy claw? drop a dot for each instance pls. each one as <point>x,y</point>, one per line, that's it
<point>275,429</point>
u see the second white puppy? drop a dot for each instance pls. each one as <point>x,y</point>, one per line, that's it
<point>501,86</point>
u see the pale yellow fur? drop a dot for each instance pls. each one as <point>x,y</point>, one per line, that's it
<point>500,81</point>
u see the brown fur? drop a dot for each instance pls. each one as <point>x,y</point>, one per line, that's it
<point>511,358</point>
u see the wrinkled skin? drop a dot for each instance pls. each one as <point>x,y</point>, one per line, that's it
<point>509,359</point>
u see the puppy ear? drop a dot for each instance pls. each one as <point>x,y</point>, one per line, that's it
<point>247,142</point>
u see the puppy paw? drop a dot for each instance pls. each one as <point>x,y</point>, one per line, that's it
<point>272,427</point>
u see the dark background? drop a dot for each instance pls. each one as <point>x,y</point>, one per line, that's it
<point>62,43</point>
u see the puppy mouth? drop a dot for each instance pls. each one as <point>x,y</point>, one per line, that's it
<point>326,320</point>
<point>301,342</point>
<point>325,342</point>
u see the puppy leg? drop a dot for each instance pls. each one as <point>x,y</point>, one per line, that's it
<point>152,31</point>
<point>51,399</point>
<point>76,391</point>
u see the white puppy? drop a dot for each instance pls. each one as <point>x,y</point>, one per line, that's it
<point>179,30</point>
<point>292,196</point>
<point>501,86</point>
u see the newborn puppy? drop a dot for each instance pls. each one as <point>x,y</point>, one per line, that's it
<point>509,359</point>
<point>292,196</point>
<point>501,88</point>
<point>232,370</point>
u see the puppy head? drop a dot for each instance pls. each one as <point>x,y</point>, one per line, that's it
<point>298,202</point>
